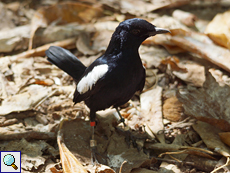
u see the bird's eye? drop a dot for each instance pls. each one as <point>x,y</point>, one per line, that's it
<point>135,31</point>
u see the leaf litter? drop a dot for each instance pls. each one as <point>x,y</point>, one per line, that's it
<point>178,123</point>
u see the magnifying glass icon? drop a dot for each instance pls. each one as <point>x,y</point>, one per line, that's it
<point>9,160</point>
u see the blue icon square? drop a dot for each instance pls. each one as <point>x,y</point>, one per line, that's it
<point>10,161</point>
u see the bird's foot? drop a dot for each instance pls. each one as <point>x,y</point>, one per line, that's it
<point>131,137</point>
<point>122,120</point>
<point>96,157</point>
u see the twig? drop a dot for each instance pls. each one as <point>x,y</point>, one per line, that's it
<point>122,166</point>
<point>226,164</point>
<point>49,95</point>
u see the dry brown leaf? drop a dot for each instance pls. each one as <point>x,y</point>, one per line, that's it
<point>8,133</point>
<point>63,13</point>
<point>40,51</point>
<point>172,109</point>
<point>30,163</point>
<point>15,38</point>
<point>213,53</point>
<point>69,162</point>
<point>152,56</point>
<point>209,135</point>
<point>5,88</point>
<point>101,40</point>
<point>103,169</point>
<point>151,111</point>
<point>225,137</point>
<point>220,76</point>
<point>32,152</point>
<point>83,45</point>
<point>7,17</point>
<point>164,40</point>
<point>195,35</point>
<point>173,62</point>
<point>167,41</point>
<point>139,7</point>
<point>195,74</point>
<point>185,17</point>
<point>143,170</point>
<point>201,163</point>
<point>18,38</point>
<point>179,141</point>
<point>209,104</point>
<point>24,101</point>
<point>218,29</point>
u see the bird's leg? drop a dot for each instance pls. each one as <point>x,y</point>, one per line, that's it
<point>93,142</point>
<point>121,118</point>
<point>126,131</point>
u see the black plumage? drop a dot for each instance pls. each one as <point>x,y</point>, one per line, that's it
<point>113,78</point>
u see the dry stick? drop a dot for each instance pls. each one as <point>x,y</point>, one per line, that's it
<point>122,166</point>
<point>49,95</point>
<point>226,164</point>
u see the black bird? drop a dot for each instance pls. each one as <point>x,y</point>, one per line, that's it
<point>113,78</point>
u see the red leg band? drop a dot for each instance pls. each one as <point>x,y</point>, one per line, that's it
<point>92,123</point>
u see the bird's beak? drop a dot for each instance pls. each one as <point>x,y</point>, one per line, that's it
<point>158,31</point>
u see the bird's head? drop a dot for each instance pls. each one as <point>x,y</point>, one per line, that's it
<point>133,32</point>
<point>140,28</point>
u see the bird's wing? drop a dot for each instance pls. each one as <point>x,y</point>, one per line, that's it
<point>86,85</point>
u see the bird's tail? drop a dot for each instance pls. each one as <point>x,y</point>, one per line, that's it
<point>66,61</point>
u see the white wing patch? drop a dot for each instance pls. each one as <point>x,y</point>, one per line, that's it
<point>87,82</point>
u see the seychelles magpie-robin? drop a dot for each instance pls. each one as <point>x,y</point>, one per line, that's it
<point>113,78</point>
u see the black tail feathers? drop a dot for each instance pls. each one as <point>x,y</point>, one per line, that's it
<point>66,61</point>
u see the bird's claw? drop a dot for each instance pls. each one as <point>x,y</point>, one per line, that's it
<point>131,138</point>
<point>94,160</point>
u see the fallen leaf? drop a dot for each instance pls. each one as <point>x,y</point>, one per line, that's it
<point>83,45</point>
<point>103,169</point>
<point>62,13</point>
<point>32,152</point>
<point>40,51</point>
<point>15,38</point>
<point>225,137</point>
<point>209,104</point>
<point>179,140</point>
<point>209,135</point>
<point>139,7</point>
<point>185,17</point>
<point>151,111</point>
<point>152,56</point>
<point>194,75</point>
<point>8,17</point>
<point>143,170</point>
<point>69,162</point>
<point>173,62</point>
<point>172,109</point>
<point>30,163</point>
<point>213,53</point>
<point>24,101</point>
<point>201,163</point>
<point>218,29</point>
